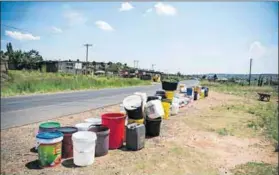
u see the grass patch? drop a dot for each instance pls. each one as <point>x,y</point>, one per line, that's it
<point>253,168</point>
<point>26,82</point>
<point>245,91</point>
<point>222,132</point>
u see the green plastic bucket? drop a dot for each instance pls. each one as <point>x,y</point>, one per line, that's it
<point>49,126</point>
<point>49,148</point>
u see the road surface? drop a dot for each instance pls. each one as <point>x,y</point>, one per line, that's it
<point>18,111</point>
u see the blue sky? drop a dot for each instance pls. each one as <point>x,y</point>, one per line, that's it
<point>190,37</point>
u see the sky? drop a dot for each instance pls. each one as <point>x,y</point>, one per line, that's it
<point>190,37</point>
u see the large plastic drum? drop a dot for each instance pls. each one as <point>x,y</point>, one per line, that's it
<point>116,123</point>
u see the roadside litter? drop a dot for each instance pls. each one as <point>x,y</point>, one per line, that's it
<point>139,116</point>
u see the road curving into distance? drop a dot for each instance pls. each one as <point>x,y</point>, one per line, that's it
<point>18,111</point>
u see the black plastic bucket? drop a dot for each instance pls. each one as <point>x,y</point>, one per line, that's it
<point>149,98</point>
<point>133,107</point>
<point>162,94</point>
<point>206,92</point>
<point>135,114</point>
<point>169,86</point>
<point>102,142</point>
<point>195,95</point>
<point>153,126</point>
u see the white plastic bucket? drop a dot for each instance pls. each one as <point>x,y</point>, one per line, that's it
<point>83,126</point>
<point>94,121</point>
<point>154,109</point>
<point>144,99</point>
<point>84,147</point>
<point>132,102</point>
<point>174,108</point>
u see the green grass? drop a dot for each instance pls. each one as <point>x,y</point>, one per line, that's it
<point>25,82</point>
<point>236,89</point>
<point>253,168</point>
<point>266,113</point>
<point>223,132</point>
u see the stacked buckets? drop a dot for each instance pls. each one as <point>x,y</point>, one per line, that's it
<point>170,88</point>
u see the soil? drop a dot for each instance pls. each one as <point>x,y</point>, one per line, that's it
<point>188,144</point>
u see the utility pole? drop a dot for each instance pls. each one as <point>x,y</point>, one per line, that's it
<point>136,63</point>
<point>87,45</point>
<point>250,71</point>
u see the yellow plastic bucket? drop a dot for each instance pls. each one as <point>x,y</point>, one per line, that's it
<point>166,106</point>
<point>140,121</point>
<point>202,94</point>
<point>169,94</point>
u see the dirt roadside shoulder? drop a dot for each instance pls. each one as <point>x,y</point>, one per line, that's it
<point>190,143</point>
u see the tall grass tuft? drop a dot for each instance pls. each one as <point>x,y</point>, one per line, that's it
<point>25,82</point>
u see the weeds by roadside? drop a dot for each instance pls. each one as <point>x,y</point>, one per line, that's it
<point>253,168</point>
<point>25,82</point>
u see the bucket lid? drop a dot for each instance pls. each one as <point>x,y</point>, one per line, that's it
<point>68,129</point>
<point>93,120</point>
<point>84,136</point>
<point>48,125</point>
<point>132,102</point>
<point>83,125</point>
<point>49,135</point>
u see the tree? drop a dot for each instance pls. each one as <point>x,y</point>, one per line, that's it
<point>204,77</point>
<point>178,74</point>
<point>215,77</point>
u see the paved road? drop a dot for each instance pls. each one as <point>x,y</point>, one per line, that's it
<point>17,111</point>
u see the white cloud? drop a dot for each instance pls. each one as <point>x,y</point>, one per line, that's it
<point>104,25</point>
<point>147,11</point>
<point>126,6</point>
<point>164,9</point>
<point>21,36</point>
<point>56,30</point>
<point>75,18</point>
<point>257,50</point>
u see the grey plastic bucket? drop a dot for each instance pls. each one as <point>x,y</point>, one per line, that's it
<point>102,142</point>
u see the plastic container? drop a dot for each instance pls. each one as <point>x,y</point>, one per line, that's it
<point>149,98</point>
<point>196,95</point>
<point>94,121</point>
<point>166,106</point>
<point>102,143</point>
<point>154,109</point>
<point>143,99</point>
<point>140,121</point>
<point>169,86</point>
<point>202,94</point>
<point>135,136</point>
<point>174,108</point>
<point>83,126</point>
<point>67,143</point>
<point>49,148</point>
<point>84,147</point>
<point>116,123</point>
<point>49,126</point>
<point>162,94</point>
<point>206,92</point>
<point>153,126</point>
<point>170,95</point>
<point>190,91</point>
<point>133,106</point>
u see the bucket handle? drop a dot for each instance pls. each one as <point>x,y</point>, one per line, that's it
<point>84,151</point>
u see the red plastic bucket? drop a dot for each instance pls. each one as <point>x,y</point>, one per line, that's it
<point>116,123</point>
